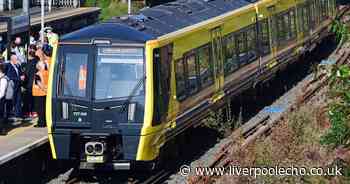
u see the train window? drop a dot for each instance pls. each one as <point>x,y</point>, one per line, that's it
<point>274,30</point>
<point>75,73</point>
<point>205,68</point>
<point>286,28</point>
<point>162,72</point>
<point>119,72</point>
<point>231,63</point>
<point>265,37</point>
<point>318,11</point>
<point>192,80</point>
<point>246,43</point>
<point>312,14</point>
<point>180,80</point>
<point>251,43</point>
<point>242,46</point>
<point>324,9</point>
<point>332,8</point>
<point>306,17</point>
<point>292,24</point>
<point>281,29</point>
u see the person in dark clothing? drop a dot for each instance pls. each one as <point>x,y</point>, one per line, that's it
<point>3,86</point>
<point>2,45</point>
<point>29,72</point>
<point>14,73</point>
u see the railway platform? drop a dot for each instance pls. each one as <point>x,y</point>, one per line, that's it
<point>21,139</point>
<point>61,19</point>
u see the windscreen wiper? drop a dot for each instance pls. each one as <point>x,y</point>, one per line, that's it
<point>132,93</point>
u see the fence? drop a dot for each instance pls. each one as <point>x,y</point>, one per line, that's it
<point>57,3</point>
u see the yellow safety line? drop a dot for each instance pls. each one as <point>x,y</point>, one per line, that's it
<point>18,130</point>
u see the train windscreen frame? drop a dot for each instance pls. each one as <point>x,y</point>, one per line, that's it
<point>119,72</point>
<point>76,69</point>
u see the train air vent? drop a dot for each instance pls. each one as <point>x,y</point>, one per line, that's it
<point>139,18</point>
<point>180,7</point>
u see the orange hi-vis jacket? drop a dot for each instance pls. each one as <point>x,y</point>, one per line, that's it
<point>82,77</point>
<point>36,90</point>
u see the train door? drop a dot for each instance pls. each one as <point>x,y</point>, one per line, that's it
<point>217,55</point>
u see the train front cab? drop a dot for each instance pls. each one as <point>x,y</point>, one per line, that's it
<point>97,106</point>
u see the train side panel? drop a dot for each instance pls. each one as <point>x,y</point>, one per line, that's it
<point>182,112</point>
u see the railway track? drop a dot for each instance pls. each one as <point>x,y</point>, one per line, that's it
<point>156,178</point>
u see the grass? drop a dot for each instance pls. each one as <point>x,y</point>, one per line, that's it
<point>113,8</point>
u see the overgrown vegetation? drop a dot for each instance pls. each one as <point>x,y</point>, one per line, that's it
<point>222,121</point>
<point>341,30</point>
<point>113,8</point>
<point>293,142</point>
<point>339,109</point>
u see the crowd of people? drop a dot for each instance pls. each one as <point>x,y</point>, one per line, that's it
<point>23,80</point>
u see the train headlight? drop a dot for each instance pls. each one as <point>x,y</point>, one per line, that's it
<point>99,148</point>
<point>131,111</point>
<point>94,148</point>
<point>89,149</point>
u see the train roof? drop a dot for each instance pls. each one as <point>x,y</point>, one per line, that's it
<point>116,32</point>
<point>151,23</point>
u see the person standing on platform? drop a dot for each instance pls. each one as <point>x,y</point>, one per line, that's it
<point>3,87</point>
<point>2,45</point>
<point>19,50</point>
<point>29,71</point>
<point>14,73</point>
<point>47,52</point>
<point>52,37</point>
<point>39,92</point>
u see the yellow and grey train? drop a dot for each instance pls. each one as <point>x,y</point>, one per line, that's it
<point>121,91</point>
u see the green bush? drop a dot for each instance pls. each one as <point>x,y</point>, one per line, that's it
<point>339,113</point>
<point>222,121</point>
<point>341,30</point>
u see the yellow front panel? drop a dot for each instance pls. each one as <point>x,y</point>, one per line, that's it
<point>49,102</point>
<point>146,148</point>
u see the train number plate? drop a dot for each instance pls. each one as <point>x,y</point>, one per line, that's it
<point>95,159</point>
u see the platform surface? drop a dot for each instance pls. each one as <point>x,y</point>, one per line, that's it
<point>54,15</point>
<point>21,140</point>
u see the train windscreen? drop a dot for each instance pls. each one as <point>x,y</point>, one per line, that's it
<point>73,84</point>
<point>119,72</point>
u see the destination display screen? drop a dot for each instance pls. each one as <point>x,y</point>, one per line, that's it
<point>121,55</point>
